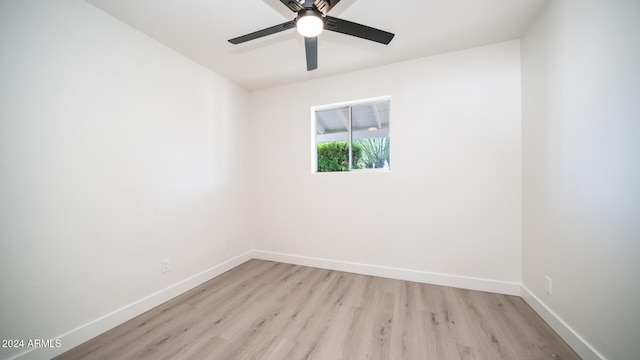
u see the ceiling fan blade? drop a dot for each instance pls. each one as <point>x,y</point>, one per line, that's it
<point>264,32</point>
<point>361,31</point>
<point>311,48</point>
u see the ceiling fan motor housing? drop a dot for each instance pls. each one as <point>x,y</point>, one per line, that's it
<point>310,12</point>
<point>323,6</point>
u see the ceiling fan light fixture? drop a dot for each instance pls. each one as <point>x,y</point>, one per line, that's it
<point>309,24</point>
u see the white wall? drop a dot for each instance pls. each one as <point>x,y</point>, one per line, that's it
<point>450,207</point>
<point>115,153</point>
<point>581,172</point>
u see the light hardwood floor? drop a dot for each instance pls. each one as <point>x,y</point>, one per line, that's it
<point>269,310</point>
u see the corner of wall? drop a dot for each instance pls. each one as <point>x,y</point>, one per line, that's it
<point>568,334</point>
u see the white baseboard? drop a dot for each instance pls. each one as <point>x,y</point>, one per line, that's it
<point>500,287</point>
<point>96,327</point>
<point>577,343</point>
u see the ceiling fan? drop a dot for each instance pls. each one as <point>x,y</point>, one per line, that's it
<point>312,18</point>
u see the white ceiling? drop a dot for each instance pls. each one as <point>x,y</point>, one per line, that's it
<point>199,29</point>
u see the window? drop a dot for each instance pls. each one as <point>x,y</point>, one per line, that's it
<point>351,136</point>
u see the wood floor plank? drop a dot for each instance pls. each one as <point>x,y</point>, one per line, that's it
<point>435,318</point>
<point>273,311</point>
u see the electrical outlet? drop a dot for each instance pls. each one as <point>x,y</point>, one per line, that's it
<point>164,266</point>
<point>227,244</point>
<point>547,285</point>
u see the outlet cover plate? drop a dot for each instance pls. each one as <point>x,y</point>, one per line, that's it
<point>547,285</point>
<point>164,266</point>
